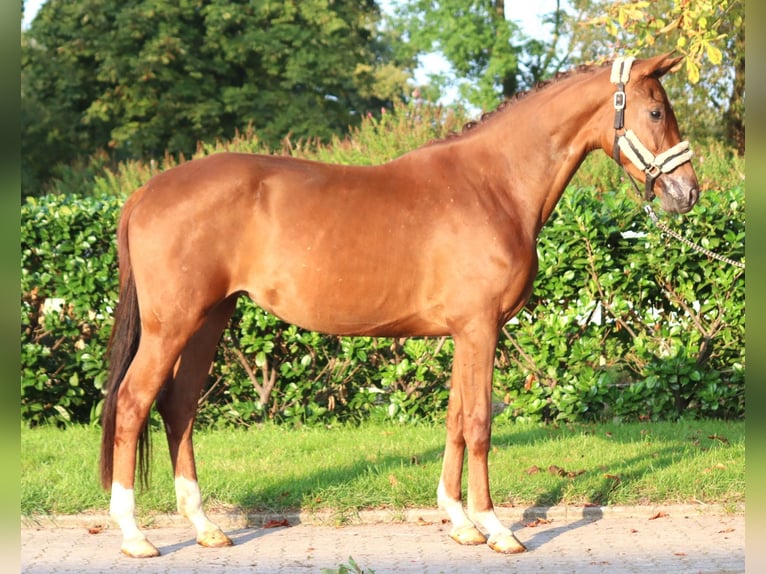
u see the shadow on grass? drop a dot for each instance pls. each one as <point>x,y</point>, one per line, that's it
<point>632,470</point>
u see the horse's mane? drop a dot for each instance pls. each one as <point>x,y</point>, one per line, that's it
<point>560,76</point>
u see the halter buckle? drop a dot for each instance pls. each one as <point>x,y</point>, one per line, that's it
<point>653,171</point>
<point>619,100</point>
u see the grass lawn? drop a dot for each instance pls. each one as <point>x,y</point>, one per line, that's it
<point>396,467</point>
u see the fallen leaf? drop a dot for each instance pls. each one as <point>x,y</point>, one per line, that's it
<point>614,477</point>
<point>537,522</point>
<point>680,553</point>
<point>534,469</point>
<point>276,523</point>
<point>557,470</point>
<point>529,381</point>
<point>633,530</point>
<point>719,438</point>
<point>98,529</point>
<point>392,480</point>
<point>422,522</point>
<point>659,515</point>
<point>725,530</point>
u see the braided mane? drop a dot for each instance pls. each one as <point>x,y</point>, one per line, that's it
<point>560,76</point>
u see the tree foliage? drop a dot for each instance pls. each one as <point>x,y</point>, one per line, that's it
<point>696,27</point>
<point>474,37</point>
<point>144,77</point>
<point>490,56</point>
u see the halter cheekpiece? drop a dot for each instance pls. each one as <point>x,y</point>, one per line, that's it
<point>627,141</point>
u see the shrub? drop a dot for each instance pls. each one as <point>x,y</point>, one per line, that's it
<point>68,293</point>
<point>627,323</point>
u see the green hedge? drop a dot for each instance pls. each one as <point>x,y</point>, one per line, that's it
<point>68,294</point>
<point>623,323</point>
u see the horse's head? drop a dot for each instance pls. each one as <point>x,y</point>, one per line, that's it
<point>646,137</point>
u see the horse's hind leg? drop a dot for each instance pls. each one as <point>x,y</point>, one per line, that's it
<point>177,404</point>
<point>148,372</point>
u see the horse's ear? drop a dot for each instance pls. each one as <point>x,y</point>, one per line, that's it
<point>660,65</point>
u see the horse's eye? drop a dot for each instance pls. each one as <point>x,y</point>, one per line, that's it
<point>656,114</point>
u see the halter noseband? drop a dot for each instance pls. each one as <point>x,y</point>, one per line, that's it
<point>628,142</point>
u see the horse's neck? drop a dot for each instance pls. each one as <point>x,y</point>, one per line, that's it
<point>537,144</point>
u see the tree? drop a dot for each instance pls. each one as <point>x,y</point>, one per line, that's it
<point>147,77</point>
<point>491,58</point>
<point>540,59</point>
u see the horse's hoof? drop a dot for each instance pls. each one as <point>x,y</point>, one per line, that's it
<point>468,535</point>
<point>214,539</point>
<point>140,548</point>
<point>506,543</point>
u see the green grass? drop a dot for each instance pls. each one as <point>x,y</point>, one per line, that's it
<point>397,467</point>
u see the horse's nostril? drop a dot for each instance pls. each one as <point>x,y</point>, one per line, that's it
<point>694,195</point>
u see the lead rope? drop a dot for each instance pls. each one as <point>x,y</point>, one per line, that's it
<point>675,235</point>
<point>665,229</point>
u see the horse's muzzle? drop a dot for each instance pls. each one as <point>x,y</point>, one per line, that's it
<point>678,195</point>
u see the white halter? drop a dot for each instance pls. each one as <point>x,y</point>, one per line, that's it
<point>628,142</point>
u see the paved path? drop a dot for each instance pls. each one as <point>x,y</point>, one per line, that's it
<point>560,540</point>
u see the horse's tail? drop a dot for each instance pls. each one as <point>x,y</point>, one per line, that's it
<point>122,348</point>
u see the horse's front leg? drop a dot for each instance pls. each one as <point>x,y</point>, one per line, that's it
<point>449,493</point>
<point>472,383</point>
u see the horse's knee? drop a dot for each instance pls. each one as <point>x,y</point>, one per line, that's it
<point>477,433</point>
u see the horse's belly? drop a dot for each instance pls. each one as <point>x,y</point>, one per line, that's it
<point>349,311</point>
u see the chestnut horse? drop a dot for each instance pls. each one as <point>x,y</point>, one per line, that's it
<point>440,241</point>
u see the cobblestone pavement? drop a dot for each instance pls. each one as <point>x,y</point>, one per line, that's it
<point>637,539</point>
